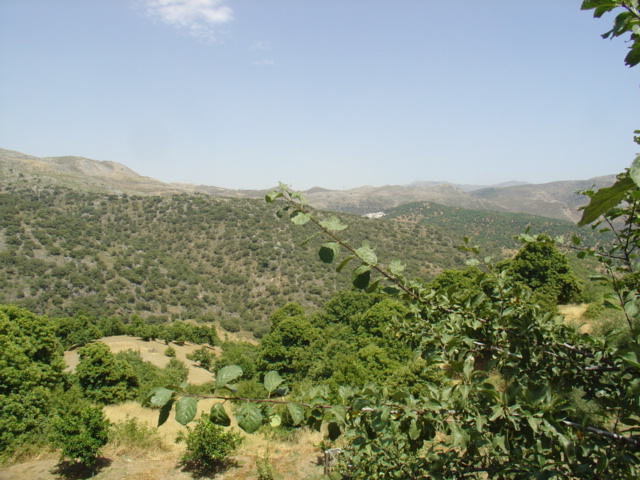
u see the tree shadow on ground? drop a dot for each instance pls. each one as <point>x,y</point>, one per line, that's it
<point>76,471</point>
<point>197,471</point>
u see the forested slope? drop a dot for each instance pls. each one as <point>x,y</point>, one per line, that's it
<point>64,251</point>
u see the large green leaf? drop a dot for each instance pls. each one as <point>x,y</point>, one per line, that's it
<point>249,417</point>
<point>186,409</point>
<point>297,412</point>
<point>271,196</point>
<point>158,397</point>
<point>361,277</point>
<point>329,251</point>
<point>333,224</point>
<point>396,267</point>
<point>366,254</point>
<point>227,374</point>
<point>634,171</point>
<point>164,412</point>
<point>218,415</point>
<point>631,358</point>
<point>300,218</point>
<point>271,381</point>
<point>334,431</point>
<point>605,199</point>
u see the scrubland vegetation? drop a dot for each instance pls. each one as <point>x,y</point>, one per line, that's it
<point>431,368</point>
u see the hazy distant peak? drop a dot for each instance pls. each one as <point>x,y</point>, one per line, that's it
<point>466,187</point>
<point>317,190</point>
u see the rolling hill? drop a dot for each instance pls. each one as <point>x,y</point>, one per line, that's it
<point>555,200</point>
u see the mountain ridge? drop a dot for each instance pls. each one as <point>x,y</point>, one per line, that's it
<point>557,200</point>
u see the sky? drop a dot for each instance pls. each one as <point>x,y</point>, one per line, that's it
<point>243,94</point>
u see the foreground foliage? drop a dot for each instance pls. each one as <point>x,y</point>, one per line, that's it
<point>209,446</point>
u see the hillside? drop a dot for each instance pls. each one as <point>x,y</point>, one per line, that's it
<point>66,251</point>
<point>494,231</point>
<point>555,200</point>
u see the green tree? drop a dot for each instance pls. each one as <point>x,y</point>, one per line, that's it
<point>104,378</point>
<point>540,266</point>
<point>209,446</point>
<point>79,429</point>
<point>285,347</point>
<point>31,367</point>
<point>203,356</point>
<point>78,330</point>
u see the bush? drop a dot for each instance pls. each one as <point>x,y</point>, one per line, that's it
<point>103,377</point>
<point>265,468</point>
<point>209,446</point>
<point>80,431</point>
<point>230,325</point>
<point>203,356</point>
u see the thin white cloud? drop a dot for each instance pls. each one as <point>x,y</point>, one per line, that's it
<point>265,63</point>
<point>259,46</point>
<point>196,17</point>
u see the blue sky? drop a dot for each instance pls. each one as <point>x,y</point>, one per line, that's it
<point>333,93</point>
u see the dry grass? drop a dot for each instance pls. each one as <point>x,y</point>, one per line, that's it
<point>293,459</point>
<point>574,315</point>
<point>152,352</point>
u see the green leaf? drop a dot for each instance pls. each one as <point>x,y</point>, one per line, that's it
<point>297,412</point>
<point>249,417</point>
<point>227,374</point>
<point>334,431</point>
<point>366,254</point>
<point>396,267</point>
<point>218,415</point>
<point>333,224</point>
<point>414,431</point>
<point>300,218</point>
<point>271,381</point>
<point>380,419</point>
<point>361,277</point>
<point>631,309</point>
<point>329,251</point>
<point>308,239</point>
<point>164,412</point>
<point>270,197</point>
<point>186,409</point>
<point>280,213</point>
<point>499,441</point>
<point>275,420</point>
<point>159,397</point>
<point>605,199</point>
<point>633,57</point>
<point>344,263</point>
<point>631,358</point>
<point>460,437</point>
<point>340,412</point>
<point>634,171</point>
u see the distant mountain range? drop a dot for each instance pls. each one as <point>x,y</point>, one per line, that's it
<point>557,200</point>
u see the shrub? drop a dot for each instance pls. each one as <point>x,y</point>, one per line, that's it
<point>80,431</point>
<point>203,356</point>
<point>230,325</point>
<point>265,468</point>
<point>103,377</point>
<point>209,446</point>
